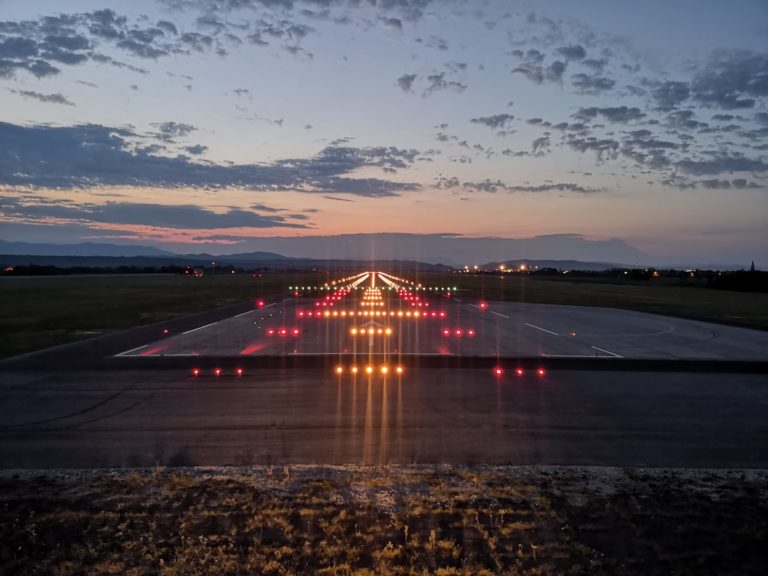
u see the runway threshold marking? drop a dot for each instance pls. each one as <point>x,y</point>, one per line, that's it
<point>498,314</point>
<point>542,329</point>
<point>607,352</point>
<point>132,350</point>
<point>199,328</point>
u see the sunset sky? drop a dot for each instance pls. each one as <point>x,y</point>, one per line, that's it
<point>210,125</point>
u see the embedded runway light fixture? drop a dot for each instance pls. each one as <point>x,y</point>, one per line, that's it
<point>369,369</point>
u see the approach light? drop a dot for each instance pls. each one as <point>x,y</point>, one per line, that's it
<point>339,369</point>
<point>399,369</point>
<point>369,369</point>
<point>384,369</point>
<point>354,369</point>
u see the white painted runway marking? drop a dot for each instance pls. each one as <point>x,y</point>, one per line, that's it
<point>607,352</point>
<point>132,350</point>
<point>182,354</point>
<point>570,356</point>
<point>542,329</point>
<point>244,313</point>
<point>199,328</point>
<point>457,300</point>
<point>498,314</point>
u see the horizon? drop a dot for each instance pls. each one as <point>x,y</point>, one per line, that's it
<point>446,130</point>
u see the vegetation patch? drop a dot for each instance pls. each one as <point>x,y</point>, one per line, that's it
<point>384,520</point>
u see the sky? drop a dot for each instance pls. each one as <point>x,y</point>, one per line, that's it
<point>635,132</point>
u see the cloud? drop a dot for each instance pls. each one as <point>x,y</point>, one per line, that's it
<point>494,186</point>
<point>602,147</point>
<point>572,52</point>
<point>592,84</point>
<point>393,23</point>
<point>721,165</point>
<point>610,113</point>
<point>142,214</point>
<point>406,82</point>
<point>48,98</point>
<point>171,130</point>
<point>670,94</point>
<point>437,82</point>
<point>732,80</point>
<point>93,155</point>
<point>495,121</point>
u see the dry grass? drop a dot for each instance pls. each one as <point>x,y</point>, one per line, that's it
<point>396,520</point>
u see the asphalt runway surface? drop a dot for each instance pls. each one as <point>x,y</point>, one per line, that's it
<point>140,411</point>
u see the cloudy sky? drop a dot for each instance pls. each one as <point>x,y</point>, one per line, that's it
<point>210,125</point>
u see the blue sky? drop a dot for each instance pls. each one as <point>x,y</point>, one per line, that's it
<point>218,125</point>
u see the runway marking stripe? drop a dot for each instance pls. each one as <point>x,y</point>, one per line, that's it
<point>457,300</point>
<point>244,313</point>
<point>607,352</point>
<point>199,328</point>
<point>132,350</point>
<point>542,329</point>
<point>182,354</point>
<point>502,315</point>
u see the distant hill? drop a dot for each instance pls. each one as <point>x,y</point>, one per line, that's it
<point>245,256</point>
<point>81,249</point>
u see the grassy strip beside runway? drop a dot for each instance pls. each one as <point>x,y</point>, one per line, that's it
<point>391,520</point>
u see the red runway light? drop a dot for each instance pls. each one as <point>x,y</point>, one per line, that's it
<point>217,372</point>
<point>283,331</point>
<point>442,314</point>
<point>498,371</point>
<point>165,330</point>
<point>195,371</point>
<point>260,303</point>
<point>239,371</point>
<point>519,372</point>
<point>540,372</point>
<point>270,332</point>
<point>295,331</point>
<point>459,332</point>
<point>446,332</point>
<point>301,314</point>
<point>483,305</point>
<point>470,332</point>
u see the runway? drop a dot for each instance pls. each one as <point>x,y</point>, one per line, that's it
<point>362,383</point>
<point>458,327</point>
<point>145,418</point>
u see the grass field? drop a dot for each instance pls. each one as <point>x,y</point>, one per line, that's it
<point>37,312</point>
<point>41,311</point>
<point>747,309</point>
<point>388,521</point>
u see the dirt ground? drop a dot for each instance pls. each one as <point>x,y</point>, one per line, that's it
<point>384,520</point>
